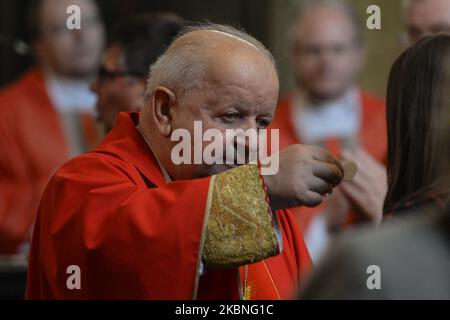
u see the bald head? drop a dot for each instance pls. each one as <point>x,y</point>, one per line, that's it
<point>198,49</point>
<point>214,74</point>
<point>426,17</point>
<point>227,58</point>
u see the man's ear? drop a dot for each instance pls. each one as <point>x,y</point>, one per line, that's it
<point>163,100</point>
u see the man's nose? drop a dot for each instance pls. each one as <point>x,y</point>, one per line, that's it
<point>251,124</point>
<point>79,36</point>
<point>249,139</point>
<point>327,57</point>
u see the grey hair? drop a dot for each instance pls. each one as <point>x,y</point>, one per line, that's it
<point>302,6</point>
<point>182,65</point>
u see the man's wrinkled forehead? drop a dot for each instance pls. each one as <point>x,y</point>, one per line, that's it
<point>210,43</point>
<point>225,56</point>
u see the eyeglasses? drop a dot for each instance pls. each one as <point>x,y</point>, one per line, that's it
<point>314,51</point>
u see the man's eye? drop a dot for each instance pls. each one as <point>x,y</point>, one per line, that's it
<point>340,49</point>
<point>263,123</point>
<point>230,117</point>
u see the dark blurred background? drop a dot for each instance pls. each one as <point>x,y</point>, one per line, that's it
<point>252,15</point>
<point>267,20</point>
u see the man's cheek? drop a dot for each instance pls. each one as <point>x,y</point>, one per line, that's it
<point>112,104</point>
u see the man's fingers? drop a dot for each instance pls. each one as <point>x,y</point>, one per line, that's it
<point>312,199</point>
<point>323,155</point>
<point>328,172</point>
<point>358,199</point>
<point>320,186</point>
<point>353,191</point>
<point>364,156</point>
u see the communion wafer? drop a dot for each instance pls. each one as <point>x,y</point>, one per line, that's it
<point>350,169</point>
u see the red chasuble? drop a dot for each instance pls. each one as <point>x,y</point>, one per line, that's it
<point>134,236</point>
<point>32,146</point>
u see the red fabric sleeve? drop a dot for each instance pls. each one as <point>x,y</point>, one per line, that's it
<point>129,240</point>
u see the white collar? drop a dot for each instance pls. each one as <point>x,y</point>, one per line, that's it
<point>339,118</point>
<point>69,95</point>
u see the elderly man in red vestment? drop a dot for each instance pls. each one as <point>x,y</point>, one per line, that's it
<point>125,221</point>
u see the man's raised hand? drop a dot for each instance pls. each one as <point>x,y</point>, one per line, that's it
<point>305,175</point>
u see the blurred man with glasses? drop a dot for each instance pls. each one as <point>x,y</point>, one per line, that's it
<point>47,115</point>
<point>329,109</point>
<point>135,44</point>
